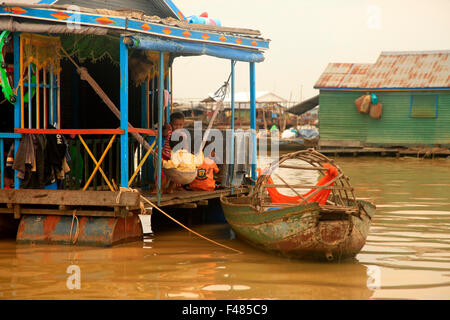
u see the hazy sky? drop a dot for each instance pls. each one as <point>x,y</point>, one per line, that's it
<point>308,34</point>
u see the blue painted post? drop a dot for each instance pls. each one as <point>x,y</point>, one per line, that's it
<point>160,120</point>
<point>1,164</point>
<point>253,118</point>
<point>169,88</point>
<point>124,114</point>
<point>232,124</point>
<point>16,137</point>
<point>153,103</point>
<point>17,114</point>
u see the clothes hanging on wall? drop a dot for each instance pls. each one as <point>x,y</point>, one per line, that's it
<point>40,160</point>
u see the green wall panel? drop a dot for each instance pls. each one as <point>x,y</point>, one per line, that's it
<point>339,120</point>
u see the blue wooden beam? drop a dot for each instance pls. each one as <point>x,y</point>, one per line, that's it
<point>232,124</point>
<point>160,121</point>
<point>17,115</point>
<point>124,115</point>
<point>10,135</point>
<point>253,118</point>
<point>128,24</point>
<point>193,48</point>
<point>1,165</point>
<point>169,104</point>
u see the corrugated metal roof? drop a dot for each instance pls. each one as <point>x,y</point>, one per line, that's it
<point>342,75</point>
<point>392,70</point>
<point>158,8</point>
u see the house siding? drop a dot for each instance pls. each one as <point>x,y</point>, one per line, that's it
<point>340,120</point>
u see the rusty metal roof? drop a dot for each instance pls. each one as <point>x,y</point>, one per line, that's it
<point>392,70</point>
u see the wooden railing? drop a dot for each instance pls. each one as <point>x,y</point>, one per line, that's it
<point>95,162</point>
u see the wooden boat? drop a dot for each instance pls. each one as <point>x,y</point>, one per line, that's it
<point>331,228</point>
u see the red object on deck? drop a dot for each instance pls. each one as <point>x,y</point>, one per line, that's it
<point>320,197</point>
<point>204,15</point>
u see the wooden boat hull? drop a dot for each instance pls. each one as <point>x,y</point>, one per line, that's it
<point>301,231</point>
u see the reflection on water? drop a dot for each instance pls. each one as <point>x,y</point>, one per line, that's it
<point>407,254</point>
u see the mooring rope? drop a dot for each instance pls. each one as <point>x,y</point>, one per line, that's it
<point>122,189</point>
<point>74,217</point>
<point>190,230</point>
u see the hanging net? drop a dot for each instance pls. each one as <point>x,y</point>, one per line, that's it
<point>40,50</point>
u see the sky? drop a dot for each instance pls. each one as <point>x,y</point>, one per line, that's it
<point>306,35</point>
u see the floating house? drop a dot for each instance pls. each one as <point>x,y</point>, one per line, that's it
<point>98,78</point>
<point>412,93</point>
<point>270,108</point>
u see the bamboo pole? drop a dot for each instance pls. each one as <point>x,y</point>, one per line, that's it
<point>38,102</point>
<point>84,75</point>
<point>147,97</point>
<point>59,99</point>
<point>95,161</point>
<point>141,163</point>
<point>44,70</point>
<point>29,97</point>
<point>97,165</point>
<point>52,74</point>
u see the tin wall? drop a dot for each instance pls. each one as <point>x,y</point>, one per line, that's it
<point>340,120</point>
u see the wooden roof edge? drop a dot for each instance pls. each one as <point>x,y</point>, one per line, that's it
<point>140,15</point>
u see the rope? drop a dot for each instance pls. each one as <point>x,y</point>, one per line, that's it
<point>190,230</point>
<point>122,189</point>
<point>220,93</point>
<point>74,217</point>
<point>84,75</point>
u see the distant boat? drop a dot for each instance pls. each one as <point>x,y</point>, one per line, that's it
<point>292,142</point>
<point>333,228</point>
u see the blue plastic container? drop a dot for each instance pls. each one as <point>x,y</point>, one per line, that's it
<point>202,20</point>
<point>374,98</point>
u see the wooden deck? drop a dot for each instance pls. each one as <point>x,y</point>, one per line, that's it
<point>97,203</point>
<point>396,152</point>
<point>180,198</point>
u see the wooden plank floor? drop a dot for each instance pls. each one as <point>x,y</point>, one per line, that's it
<point>184,196</point>
<point>96,203</point>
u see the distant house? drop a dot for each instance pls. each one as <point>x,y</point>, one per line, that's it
<point>267,103</point>
<point>413,89</point>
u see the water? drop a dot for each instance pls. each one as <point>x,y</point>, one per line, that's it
<point>407,255</point>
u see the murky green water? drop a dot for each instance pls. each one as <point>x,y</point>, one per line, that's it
<point>407,254</point>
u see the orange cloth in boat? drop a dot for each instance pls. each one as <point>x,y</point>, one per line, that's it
<point>320,197</point>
